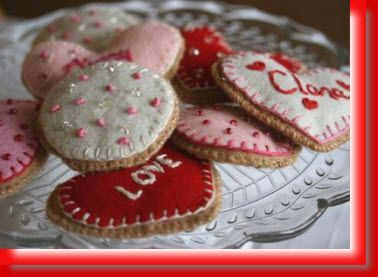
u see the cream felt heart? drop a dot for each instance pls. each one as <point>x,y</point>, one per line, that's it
<point>315,102</point>
<point>152,45</point>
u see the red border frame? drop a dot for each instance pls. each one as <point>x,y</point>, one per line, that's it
<point>356,256</point>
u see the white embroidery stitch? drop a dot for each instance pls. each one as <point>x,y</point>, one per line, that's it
<point>128,194</point>
<point>163,160</point>
<point>155,166</point>
<point>150,177</point>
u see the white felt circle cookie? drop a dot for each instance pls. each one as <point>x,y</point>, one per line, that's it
<point>226,133</point>
<point>21,155</point>
<point>92,28</point>
<point>312,108</point>
<point>107,116</point>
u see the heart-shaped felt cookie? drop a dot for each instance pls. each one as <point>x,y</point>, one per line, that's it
<point>226,133</point>
<point>93,29</point>
<point>108,116</point>
<point>20,153</point>
<point>172,192</point>
<point>152,45</point>
<point>312,108</point>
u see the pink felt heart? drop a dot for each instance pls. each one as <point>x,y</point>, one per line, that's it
<point>153,45</point>
<point>316,102</point>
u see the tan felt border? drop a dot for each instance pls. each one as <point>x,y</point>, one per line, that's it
<point>15,184</point>
<point>136,159</point>
<point>234,156</point>
<point>272,120</point>
<point>54,212</point>
<point>199,97</point>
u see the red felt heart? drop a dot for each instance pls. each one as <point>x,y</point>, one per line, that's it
<point>203,46</point>
<point>171,185</point>
<point>258,66</point>
<point>309,104</point>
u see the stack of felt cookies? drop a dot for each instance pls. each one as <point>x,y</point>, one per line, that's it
<point>143,110</point>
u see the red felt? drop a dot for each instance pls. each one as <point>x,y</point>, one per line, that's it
<point>181,188</point>
<point>195,70</point>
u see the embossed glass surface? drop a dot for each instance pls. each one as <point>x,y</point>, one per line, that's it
<point>258,204</point>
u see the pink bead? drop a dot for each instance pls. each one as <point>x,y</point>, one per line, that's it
<point>234,122</point>
<point>87,40</point>
<point>206,122</point>
<point>81,133</point>
<point>80,101</point>
<point>98,23</point>
<point>228,131</point>
<point>83,77</point>
<point>199,112</point>
<point>123,141</point>
<point>75,18</point>
<point>110,87</point>
<point>54,108</point>
<point>156,102</point>
<point>43,55</point>
<point>137,75</point>
<point>101,122</point>
<point>132,110</point>
<point>256,134</point>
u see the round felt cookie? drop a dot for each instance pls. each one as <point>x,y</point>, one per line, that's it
<point>21,156</point>
<point>91,28</point>
<point>153,45</point>
<point>194,83</point>
<point>155,198</point>
<point>311,107</point>
<point>225,133</point>
<point>48,62</point>
<point>107,116</point>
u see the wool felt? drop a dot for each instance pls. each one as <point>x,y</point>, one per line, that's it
<point>76,119</point>
<point>18,145</point>
<point>93,29</point>
<point>274,89</point>
<point>229,127</point>
<point>95,199</point>
<point>154,45</point>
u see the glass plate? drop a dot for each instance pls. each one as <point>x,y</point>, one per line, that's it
<point>260,205</point>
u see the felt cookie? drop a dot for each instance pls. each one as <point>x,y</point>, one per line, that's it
<point>107,116</point>
<point>20,153</point>
<point>311,108</point>
<point>92,28</point>
<point>225,133</point>
<point>153,45</point>
<point>172,192</point>
<point>194,83</point>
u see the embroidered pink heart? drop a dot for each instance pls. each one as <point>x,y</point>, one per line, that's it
<point>152,45</point>
<point>279,90</point>
<point>310,104</point>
